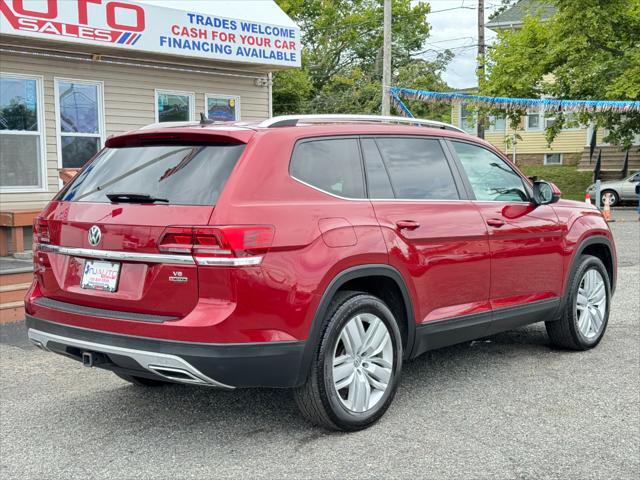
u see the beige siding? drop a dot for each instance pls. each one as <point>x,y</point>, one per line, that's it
<point>129,102</point>
<point>567,141</point>
<point>533,142</point>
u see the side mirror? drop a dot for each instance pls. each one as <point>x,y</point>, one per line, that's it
<point>545,193</point>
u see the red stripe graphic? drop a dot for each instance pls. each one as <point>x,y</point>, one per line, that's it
<point>6,11</point>
<point>41,26</point>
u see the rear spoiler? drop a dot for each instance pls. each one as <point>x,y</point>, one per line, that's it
<point>177,136</point>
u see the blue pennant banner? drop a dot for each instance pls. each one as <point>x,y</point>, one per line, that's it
<point>509,103</point>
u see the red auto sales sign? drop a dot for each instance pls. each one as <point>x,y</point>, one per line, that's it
<point>137,26</point>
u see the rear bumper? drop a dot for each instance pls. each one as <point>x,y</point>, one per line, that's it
<point>268,364</point>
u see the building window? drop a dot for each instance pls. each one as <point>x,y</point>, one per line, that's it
<point>549,121</point>
<point>174,106</point>
<point>533,121</point>
<point>22,157</point>
<point>553,159</point>
<point>467,119</point>
<point>80,121</point>
<point>497,124</point>
<point>222,107</point>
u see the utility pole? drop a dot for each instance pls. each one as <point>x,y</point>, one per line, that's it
<point>386,60</point>
<point>481,51</point>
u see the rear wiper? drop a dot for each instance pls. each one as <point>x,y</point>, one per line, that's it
<point>134,198</point>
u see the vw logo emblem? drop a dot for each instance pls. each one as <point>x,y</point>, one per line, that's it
<point>95,235</point>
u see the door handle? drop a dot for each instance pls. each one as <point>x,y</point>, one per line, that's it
<point>495,222</point>
<point>407,224</point>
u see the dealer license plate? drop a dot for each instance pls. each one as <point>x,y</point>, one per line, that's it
<point>98,275</point>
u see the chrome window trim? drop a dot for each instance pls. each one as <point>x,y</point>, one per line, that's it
<point>420,200</point>
<point>414,200</point>
<point>368,199</point>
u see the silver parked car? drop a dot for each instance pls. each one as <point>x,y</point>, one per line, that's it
<point>618,190</point>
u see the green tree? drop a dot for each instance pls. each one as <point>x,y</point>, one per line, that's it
<point>342,57</point>
<point>590,50</point>
<point>504,6</point>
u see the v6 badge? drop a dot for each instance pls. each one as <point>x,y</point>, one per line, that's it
<point>178,278</point>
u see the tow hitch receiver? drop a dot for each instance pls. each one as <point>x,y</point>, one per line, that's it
<point>87,359</point>
<point>93,359</point>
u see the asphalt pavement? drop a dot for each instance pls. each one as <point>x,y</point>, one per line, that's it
<point>509,406</point>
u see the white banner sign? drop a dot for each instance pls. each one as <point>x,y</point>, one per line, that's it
<point>149,28</point>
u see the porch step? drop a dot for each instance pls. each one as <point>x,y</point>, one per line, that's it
<point>15,280</point>
<point>13,293</point>
<point>11,312</point>
<point>612,160</point>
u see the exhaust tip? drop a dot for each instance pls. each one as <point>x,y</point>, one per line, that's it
<point>39,344</point>
<point>176,374</point>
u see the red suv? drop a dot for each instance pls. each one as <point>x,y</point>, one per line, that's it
<point>309,252</point>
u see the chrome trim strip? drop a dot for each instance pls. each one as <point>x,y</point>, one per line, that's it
<point>150,257</point>
<point>337,118</point>
<point>120,256</point>
<point>147,360</point>
<point>228,262</point>
<point>377,199</point>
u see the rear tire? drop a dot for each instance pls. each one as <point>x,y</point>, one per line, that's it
<point>141,381</point>
<point>586,310</point>
<point>356,369</point>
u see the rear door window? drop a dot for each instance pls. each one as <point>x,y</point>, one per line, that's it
<point>418,168</point>
<point>179,174</point>
<point>377,175</point>
<point>332,165</point>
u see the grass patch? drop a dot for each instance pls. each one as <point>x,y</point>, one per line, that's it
<point>572,182</point>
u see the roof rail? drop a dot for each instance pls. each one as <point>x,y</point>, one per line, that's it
<point>292,120</point>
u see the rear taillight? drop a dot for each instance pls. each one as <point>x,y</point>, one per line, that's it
<point>40,231</point>
<point>228,245</point>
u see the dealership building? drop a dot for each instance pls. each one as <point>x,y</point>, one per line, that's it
<point>74,72</point>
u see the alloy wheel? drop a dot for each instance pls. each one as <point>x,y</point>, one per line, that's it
<point>591,304</point>
<point>362,362</point>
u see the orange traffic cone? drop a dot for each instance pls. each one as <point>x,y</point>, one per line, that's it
<point>606,211</point>
<point>587,198</point>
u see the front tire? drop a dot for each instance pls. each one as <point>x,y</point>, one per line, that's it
<point>586,311</point>
<point>356,369</point>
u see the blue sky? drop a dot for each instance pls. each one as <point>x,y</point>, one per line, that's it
<point>453,26</point>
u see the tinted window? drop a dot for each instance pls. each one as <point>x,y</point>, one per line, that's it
<point>174,107</point>
<point>491,177</point>
<point>377,177</point>
<point>184,175</point>
<point>418,168</point>
<point>332,165</point>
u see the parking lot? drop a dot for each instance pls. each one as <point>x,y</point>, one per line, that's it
<point>505,407</point>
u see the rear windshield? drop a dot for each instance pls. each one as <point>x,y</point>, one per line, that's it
<point>179,174</point>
